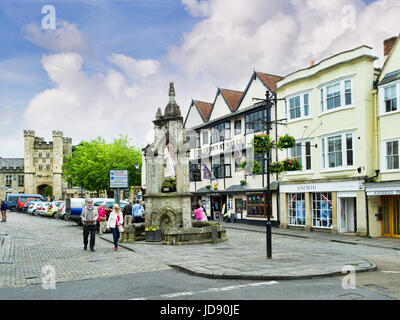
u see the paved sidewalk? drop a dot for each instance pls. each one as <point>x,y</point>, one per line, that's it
<point>243,256</point>
<point>389,243</point>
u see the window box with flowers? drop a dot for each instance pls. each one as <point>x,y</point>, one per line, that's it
<point>291,165</point>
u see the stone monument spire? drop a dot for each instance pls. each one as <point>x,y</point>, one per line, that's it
<point>172,110</point>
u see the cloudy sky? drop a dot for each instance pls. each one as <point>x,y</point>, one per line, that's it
<point>105,69</point>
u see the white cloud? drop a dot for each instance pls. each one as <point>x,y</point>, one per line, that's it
<point>221,50</point>
<point>135,69</point>
<point>197,8</point>
<point>66,37</point>
<point>278,36</point>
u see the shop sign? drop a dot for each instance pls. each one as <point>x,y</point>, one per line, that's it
<point>322,187</point>
<point>383,192</point>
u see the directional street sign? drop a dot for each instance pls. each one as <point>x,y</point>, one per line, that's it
<point>118,179</point>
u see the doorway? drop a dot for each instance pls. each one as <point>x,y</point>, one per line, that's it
<point>391,217</point>
<point>347,214</point>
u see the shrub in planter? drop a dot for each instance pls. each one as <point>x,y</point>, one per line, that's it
<point>285,142</point>
<point>262,143</point>
<point>208,186</point>
<point>291,165</point>
<point>169,185</point>
<point>243,182</point>
<point>153,234</point>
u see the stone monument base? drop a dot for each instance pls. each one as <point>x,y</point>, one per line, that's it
<point>201,232</point>
<point>133,232</point>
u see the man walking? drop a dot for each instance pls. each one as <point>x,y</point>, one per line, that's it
<point>89,218</point>
<point>128,213</point>
<point>135,211</point>
<point>3,209</point>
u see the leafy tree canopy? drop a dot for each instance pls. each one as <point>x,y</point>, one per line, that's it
<point>89,165</point>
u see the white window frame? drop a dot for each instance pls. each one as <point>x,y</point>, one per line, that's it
<point>381,92</point>
<point>324,152</point>
<point>383,166</point>
<point>323,99</point>
<point>303,157</point>
<point>302,115</point>
<point>292,213</point>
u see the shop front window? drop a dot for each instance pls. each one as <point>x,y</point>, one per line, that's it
<point>257,206</point>
<point>322,209</point>
<point>297,211</point>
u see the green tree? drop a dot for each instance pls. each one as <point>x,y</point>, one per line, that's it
<point>48,191</point>
<point>89,165</point>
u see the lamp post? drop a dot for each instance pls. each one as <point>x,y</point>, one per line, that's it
<point>269,102</point>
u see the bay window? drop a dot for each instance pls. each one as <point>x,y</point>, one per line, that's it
<point>254,121</point>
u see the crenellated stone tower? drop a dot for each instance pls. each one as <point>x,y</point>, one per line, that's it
<point>43,162</point>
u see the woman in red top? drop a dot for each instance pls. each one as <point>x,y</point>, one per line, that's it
<point>102,218</point>
<point>199,214</point>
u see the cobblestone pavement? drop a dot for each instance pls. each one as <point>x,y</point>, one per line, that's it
<point>243,256</point>
<point>29,243</point>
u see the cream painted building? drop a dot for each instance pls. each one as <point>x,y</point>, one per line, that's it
<point>341,137</point>
<point>384,193</point>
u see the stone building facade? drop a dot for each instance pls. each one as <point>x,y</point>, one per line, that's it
<point>40,167</point>
<point>43,162</point>
<point>11,176</point>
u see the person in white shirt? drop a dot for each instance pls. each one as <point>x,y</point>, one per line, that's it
<point>114,223</point>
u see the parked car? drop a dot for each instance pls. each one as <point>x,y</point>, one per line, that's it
<point>33,207</point>
<point>43,208</point>
<point>28,203</point>
<point>52,210</point>
<point>26,198</point>
<point>62,214</point>
<point>12,199</point>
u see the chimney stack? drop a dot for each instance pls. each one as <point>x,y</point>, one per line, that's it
<point>388,45</point>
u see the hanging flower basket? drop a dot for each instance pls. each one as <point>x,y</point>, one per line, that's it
<point>262,143</point>
<point>291,165</point>
<point>285,142</point>
<point>257,168</point>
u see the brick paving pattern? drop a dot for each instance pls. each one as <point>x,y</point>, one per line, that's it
<point>41,241</point>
